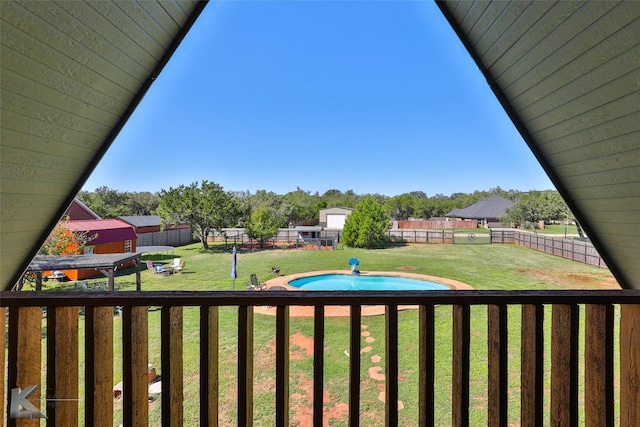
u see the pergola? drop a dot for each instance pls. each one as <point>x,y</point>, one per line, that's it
<point>106,262</point>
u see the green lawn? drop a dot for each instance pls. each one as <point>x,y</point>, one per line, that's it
<point>506,267</point>
<point>559,230</point>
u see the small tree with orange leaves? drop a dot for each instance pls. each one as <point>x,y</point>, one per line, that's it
<point>63,241</point>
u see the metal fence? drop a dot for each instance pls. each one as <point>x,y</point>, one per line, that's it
<point>573,249</point>
<point>420,236</point>
<point>285,237</point>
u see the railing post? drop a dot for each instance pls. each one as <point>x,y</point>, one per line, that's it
<point>282,366</point>
<point>245,366</point>
<point>135,362</point>
<point>460,380</point>
<point>426,365</point>
<point>598,369</point>
<point>3,316</point>
<point>171,359</point>
<point>564,365</point>
<point>318,365</point>
<point>354,366</point>
<point>391,365</point>
<point>24,358</point>
<point>62,366</point>
<point>629,365</point>
<point>532,365</point>
<point>99,366</point>
<point>209,366</point>
<point>497,364</point>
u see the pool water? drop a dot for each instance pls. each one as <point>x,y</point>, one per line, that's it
<point>344,282</point>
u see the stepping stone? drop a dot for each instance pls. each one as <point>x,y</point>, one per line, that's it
<point>375,358</point>
<point>369,340</point>
<point>374,373</point>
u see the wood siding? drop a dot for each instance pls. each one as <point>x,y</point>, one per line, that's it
<point>71,73</point>
<point>568,75</point>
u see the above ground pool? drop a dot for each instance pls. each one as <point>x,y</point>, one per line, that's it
<point>345,282</point>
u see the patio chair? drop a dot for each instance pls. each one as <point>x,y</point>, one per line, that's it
<point>255,285</point>
<point>150,265</point>
<point>176,262</point>
<point>178,268</point>
<point>161,270</point>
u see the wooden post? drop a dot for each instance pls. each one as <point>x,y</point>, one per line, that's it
<point>564,365</point>
<point>426,365</point>
<point>497,366</point>
<point>171,358</point>
<point>135,358</point>
<point>138,279</point>
<point>3,314</point>
<point>354,365</point>
<point>532,365</point>
<point>282,366</point>
<point>630,365</point>
<point>112,279</point>
<point>245,366</point>
<point>62,366</point>
<point>598,360</point>
<point>460,380</point>
<point>209,366</point>
<point>318,365</point>
<point>391,365</point>
<point>24,359</point>
<point>99,366</point>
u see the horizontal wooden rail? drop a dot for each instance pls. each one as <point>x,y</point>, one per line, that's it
<point>314,298</point>
<point>25,354</point>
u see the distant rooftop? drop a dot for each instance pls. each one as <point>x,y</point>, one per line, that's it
<point>492,207</point>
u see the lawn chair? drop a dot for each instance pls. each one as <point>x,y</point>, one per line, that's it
<point>176,262</point>
<point>255,285</point>
<point>180,266</point>
<point>150,265</point>
<point>161,270</point>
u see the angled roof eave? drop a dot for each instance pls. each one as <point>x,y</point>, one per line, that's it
<point>144,39</point>
<point>502,38</point>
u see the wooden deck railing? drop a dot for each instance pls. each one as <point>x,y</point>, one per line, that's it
<point>24,311</point>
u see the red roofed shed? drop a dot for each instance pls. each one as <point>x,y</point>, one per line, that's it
<point>112,236</point>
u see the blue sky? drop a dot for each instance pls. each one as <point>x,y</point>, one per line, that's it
<point>370,96</point>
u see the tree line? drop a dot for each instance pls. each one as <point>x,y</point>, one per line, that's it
<point>293,206</point>
<point>207,206</point>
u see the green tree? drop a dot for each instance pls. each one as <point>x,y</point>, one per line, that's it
<point>263,225</point>
<point>348,199</point>
<point>367,226</point>
<point>300,205</point>
<point>142,203</point>
<point>109,203</point>
<point>535,206</point>
<point>205,208</point>
<point>400,207</point>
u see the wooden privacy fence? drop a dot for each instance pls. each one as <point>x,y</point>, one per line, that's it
<point>575,250</point>
<point>567,360</point>
<point>174,237</point>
